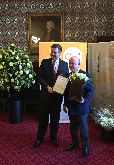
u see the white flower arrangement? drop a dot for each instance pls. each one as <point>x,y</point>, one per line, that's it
<point>104,116</point>
<point>78,80</point>
<point>80,76</point>
<point>16,70</point>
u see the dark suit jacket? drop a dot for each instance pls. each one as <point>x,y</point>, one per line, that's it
<point>46,77</point>
<point>76,108</point>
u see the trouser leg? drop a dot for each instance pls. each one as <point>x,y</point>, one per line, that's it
<point>54,124</point>
<point>74,130</point>
<point>84,130</point>
<point>42,126</point>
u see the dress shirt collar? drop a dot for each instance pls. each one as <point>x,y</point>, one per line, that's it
<point>56,62</point>
<point>76,71</point>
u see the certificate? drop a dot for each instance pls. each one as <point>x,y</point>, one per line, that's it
<point>60,84</point>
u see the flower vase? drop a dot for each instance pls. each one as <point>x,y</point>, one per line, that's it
<point>107,134</point>
<point>15,109</point>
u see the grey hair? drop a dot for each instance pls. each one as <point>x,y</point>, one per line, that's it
<point>51,24</point>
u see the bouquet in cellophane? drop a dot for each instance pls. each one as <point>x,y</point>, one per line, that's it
<point>78,80</point>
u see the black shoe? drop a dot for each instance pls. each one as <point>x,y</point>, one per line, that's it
<point>55,143</point>
<point>71,147</point>
<point>85,151</point>
<point>37,144</point>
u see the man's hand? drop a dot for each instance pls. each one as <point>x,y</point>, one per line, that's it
<point>49,89</point>
<point>65,109</point>
<point>75,98</point>
<point>82,100</point>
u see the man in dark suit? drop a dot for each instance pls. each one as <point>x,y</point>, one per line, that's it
<point>78,109</point>
<point>50,102</point>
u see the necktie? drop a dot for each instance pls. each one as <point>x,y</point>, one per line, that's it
<point>54,67</point>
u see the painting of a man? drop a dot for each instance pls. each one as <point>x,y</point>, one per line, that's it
<point>44,27</point>
<point>51,34</point>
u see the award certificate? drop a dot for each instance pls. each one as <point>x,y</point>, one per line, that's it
<point>60,84</point>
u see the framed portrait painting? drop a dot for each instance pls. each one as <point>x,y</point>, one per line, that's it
<point>44,27</point>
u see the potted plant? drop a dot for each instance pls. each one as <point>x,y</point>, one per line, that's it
<point>16,73</point>
<point>104,116</point>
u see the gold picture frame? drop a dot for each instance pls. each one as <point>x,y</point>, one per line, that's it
<point>37,27</point>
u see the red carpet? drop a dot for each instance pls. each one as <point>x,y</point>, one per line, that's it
<point>16,146</point>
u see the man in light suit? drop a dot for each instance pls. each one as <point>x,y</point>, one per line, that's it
<point>50,102</point>
<point>78,109</point>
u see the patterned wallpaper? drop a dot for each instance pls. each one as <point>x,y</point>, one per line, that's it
<point>83,19</point>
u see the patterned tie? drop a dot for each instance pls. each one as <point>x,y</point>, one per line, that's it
<point>54,67</point>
